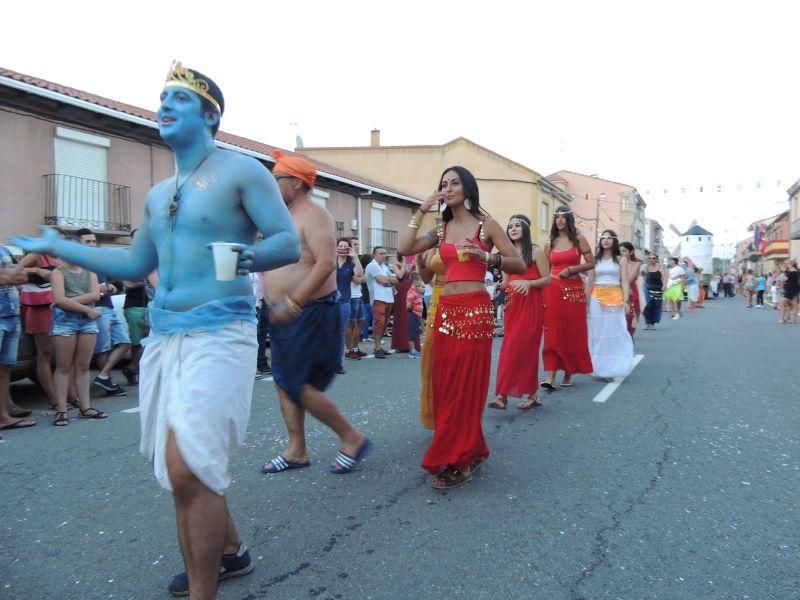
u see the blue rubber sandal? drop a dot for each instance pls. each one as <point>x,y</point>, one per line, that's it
<point>279,464</point>
<point>347,462</point>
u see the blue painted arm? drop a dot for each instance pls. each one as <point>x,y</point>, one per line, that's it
<point>115,263</point>
<point>264,204</point>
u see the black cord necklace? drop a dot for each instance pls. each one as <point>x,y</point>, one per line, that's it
<point>176,197</point>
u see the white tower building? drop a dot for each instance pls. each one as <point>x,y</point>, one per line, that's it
<point>698,244</point>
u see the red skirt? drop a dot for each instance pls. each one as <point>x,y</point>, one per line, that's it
<point>566,342</point>
<point>632,316</point>
<point>518,370</point>
<point>463,332</point>
<point>400,317</point>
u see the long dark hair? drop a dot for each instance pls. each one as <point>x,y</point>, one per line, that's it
<point>571,230</point>
<point>525,240</point>
<point>615,253</point>
<point>631,249</point>
<point>470,187</point>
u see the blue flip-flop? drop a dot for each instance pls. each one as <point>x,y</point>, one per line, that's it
<point>348,462</point>
<point>279,464</point>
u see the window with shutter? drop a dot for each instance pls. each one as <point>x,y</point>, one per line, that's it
<point>81,176</point>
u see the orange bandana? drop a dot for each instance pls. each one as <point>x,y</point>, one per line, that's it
<point>294,166</point>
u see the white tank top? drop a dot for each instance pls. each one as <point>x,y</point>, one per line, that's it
<point>606,272</point>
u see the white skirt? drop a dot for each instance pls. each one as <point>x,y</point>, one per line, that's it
<point>199,385</point>
<point>610,344</point>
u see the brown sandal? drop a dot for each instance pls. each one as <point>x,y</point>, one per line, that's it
<point>450,478</point>
<point>530,403</point>
<point>498,403</point>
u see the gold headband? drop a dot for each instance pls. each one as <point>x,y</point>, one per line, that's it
<point>181,76</point>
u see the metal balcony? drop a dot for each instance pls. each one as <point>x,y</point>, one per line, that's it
<point>74,202</point>
<point>382,237</point>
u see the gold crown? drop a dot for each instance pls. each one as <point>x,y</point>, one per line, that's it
<point>181,76</point>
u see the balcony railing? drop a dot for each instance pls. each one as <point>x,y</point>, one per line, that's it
<point>382,237</point>
<point>75,202</point>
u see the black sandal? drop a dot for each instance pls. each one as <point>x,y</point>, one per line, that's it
<point>92,413</point>
<point>61,419</point>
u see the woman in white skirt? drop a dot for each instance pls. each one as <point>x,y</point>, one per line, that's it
<point>610,344</point>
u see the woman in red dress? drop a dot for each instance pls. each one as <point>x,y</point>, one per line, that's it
<point>518,370</point>
<point>566,346</point>
<point>399,312</point>
<point>634,266</point>
<point>464,325</point>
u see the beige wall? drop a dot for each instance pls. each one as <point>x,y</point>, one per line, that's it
<point>587,191</point>
<point>417,169</point>
<point>27,145</point>
<point>794,224</point>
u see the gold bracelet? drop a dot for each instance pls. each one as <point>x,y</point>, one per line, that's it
<point>292,305</point>
<point>413,223</point>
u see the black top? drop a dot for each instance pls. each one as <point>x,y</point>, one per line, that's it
<point>135,297</point>
<point>792,284</point>
<point>653,278</point>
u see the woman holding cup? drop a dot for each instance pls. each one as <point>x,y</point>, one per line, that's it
<point>464,324</point>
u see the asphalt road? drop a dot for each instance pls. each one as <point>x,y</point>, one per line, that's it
<point>685,483</point>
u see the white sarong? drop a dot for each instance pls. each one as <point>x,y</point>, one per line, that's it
<point>610,344</point>
<point>199,385</point>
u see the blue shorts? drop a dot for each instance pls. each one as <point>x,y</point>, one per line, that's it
<point>356,309</point>
<point>111,330</point>
<point>66,322</point>
<point>10,329</point>
<point>304,352</point>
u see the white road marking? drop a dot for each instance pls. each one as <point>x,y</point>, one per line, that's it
<point>131,410</point>
<point>610,388</point>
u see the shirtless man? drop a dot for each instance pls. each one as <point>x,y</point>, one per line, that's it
<point>304,325</point>
<point>199,365</point>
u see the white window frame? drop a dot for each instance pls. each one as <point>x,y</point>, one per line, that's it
<point>320,197</point>
<point>544,215</point>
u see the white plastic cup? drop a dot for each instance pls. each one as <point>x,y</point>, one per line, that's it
<point>226,260</point>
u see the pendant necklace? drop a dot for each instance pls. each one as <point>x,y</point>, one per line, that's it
<point>176,197</point>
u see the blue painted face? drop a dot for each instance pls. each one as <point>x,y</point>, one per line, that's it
<point>180,116</point>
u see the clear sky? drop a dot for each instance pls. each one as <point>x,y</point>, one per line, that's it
<point>661,95</point>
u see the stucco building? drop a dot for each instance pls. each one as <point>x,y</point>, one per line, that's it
<point>794,220</point>
<point>74,159</point>
<point>506,187</point>
<point>601,204</point>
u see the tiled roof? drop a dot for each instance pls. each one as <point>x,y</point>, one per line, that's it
<point>234,140</point>
<point>697,230</point>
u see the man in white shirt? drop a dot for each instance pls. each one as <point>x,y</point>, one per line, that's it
<point>380,280</point>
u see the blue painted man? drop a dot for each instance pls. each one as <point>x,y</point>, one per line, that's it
<point>199,364</point>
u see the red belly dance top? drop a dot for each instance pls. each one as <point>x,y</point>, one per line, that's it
<point>469,270</point>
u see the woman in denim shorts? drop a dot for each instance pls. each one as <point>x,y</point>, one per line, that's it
<point>74,332</point>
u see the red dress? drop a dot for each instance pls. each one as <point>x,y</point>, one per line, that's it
<point>566,345</point>
<point>518,370</point>
<point>462,361</point>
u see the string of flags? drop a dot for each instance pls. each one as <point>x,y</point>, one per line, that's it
<point>728,188</point>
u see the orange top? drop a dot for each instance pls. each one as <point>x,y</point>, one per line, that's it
<point>469,270</point>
